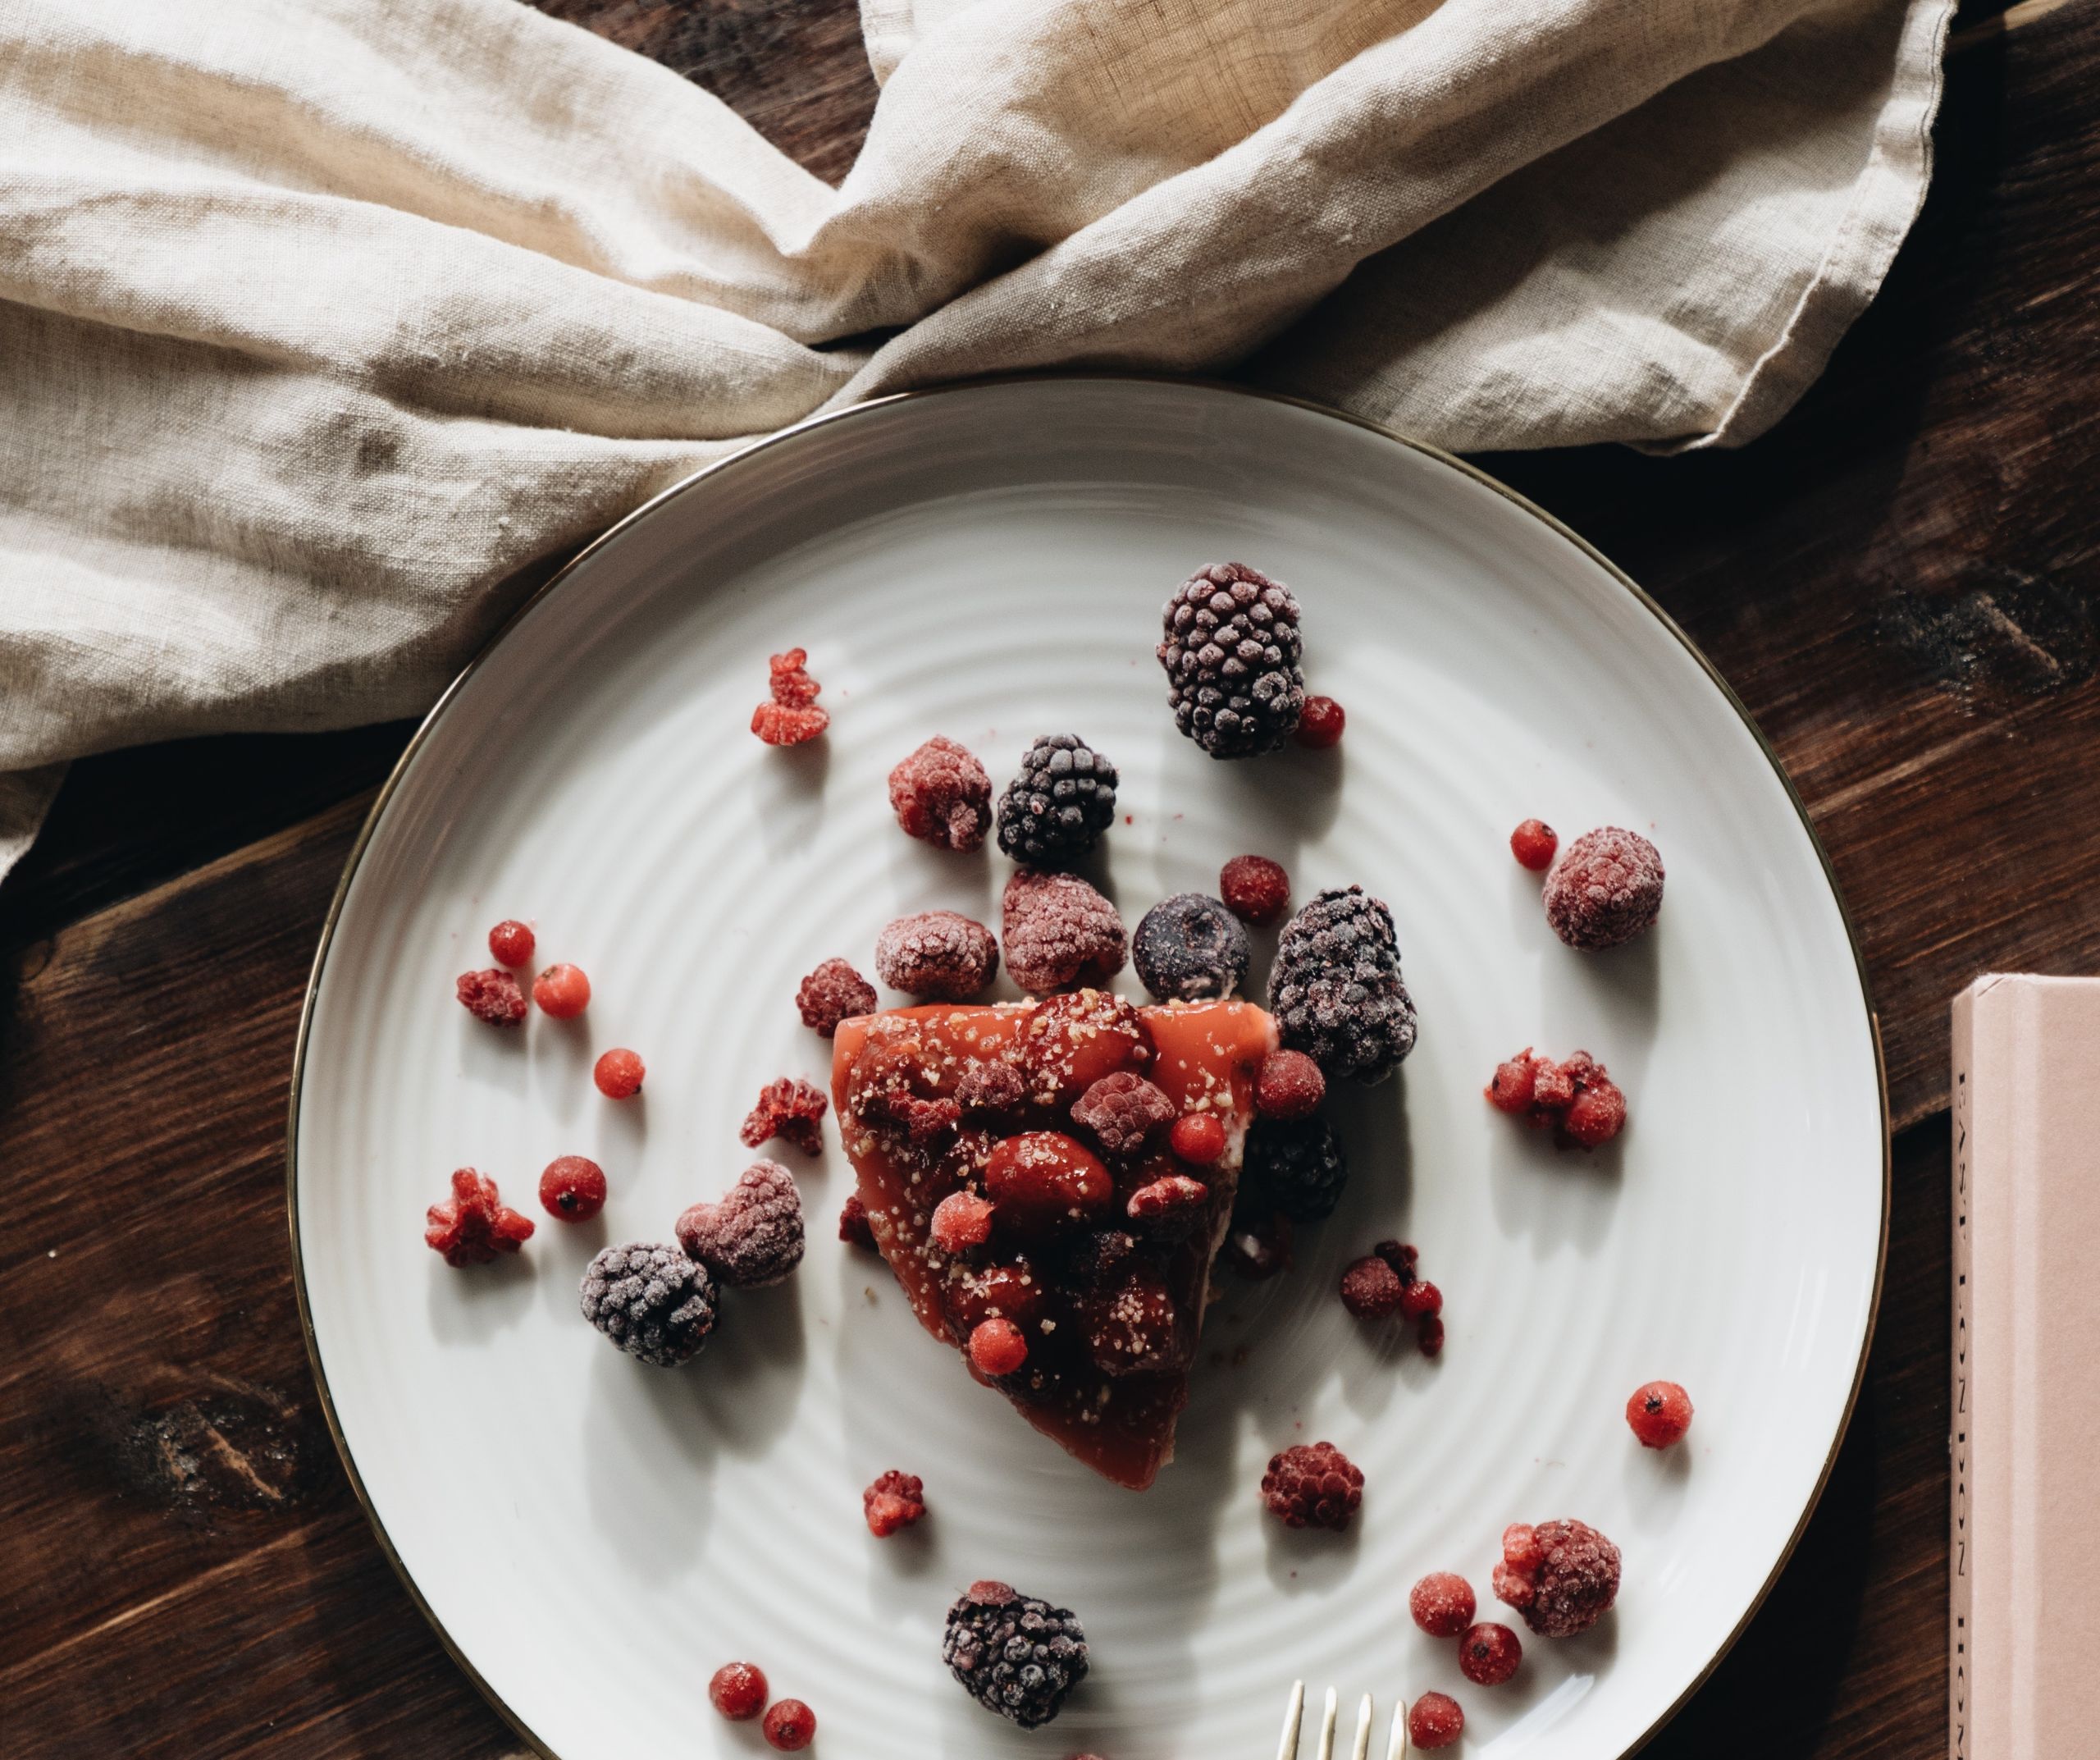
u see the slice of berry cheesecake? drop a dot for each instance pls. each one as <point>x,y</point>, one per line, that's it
<point>1018,1163</point>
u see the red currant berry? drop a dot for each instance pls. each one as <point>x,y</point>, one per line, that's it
<point>997,1347</point>
<point>1442,1603</point>
<point>1420,1299</point>
<point>562,991</point>
<point>1660,1413</point>
<point>961,1220</point>
<point>573,1189</point>
<point>1255,889</point>
<point>1533,844</point>
<point>790,1726</point>
<point>1320,725</point>
<point>618,1074</point>
<point>1197,1138</point>
<point>738,1691</point>
<point>1289,1086</point>
<point>1429,1334</point>
<point>1488,1655</point>
<point>510,942</point>
<point>1435,1721</point>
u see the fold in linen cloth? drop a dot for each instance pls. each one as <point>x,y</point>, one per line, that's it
<point>319,322</point>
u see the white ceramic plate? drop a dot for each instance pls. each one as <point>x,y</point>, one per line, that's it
<point>593,1536</point>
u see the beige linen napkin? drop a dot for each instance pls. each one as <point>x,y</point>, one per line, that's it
<point>318,320</point>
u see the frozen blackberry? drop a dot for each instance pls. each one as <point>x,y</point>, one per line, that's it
<point>1055,811</point>
<point>1014,1654</point>
<point>1058,932</point>
<point>1336,988</point>
<point>1188,947</point>
<point>1297,1166</point>
<point>650,1300</point>
<point>1231,648</point>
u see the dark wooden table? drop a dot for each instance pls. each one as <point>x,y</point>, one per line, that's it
<point>1902,581</point>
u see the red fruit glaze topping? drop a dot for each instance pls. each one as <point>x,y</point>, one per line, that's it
<point>1071,1042</point>
<point>562,991</point>
<point>1197,1138</point>
<point>1312,1485</point>
<point>619,1073</point>
<point>1435,1721</point>
<point>1122,1110</point>
<point>1420,1299</point>
<point>997,1347</point>
<point>1488,1655</point>
<point>790,1108</point>
<point>1571,1585</point>
<point>1172,1201</point>
<point>961,1220</point>
<point>510,942</point>
<point>941,795</point>
<point>1660,1413</point>
<point>573,1189</point>
<point>474,1225</point>
<point>1290,1086</point>
<point>1532,844</point>
<point>854,1228</point>
<point>738,1691</point>
<point>1604,889</point>
<point>1255,889</point>
<point>896,1500</point>
<point>790,1726</point>
<point>492,996</point>
<point>833,993</point>
<point>1576,1098</point>
<point>1320,725</point>
<point>941,956</point>
<point>1372,1289</point>
<point>1442,1603</point>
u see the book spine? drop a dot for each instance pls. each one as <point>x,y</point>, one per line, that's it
<point>1960,1596</point>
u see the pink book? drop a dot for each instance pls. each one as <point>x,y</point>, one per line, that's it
<point>2025,1643</point>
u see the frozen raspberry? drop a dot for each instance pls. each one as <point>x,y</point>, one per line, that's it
<point>738,1691</point>
<point>1429,1334</point>
<point>1122,1110</point>
<point>1577,1098</point>
<point>1372,1289</point>
<point>1255,889</point>
<point>562,991</point>
<point>1572,1584</point>
<point>1312,1485</point>
<point>1435,1721</point>
<point>510,942</point>
<point>1488,1655</point>
<point>1058,932</point>
<point>790,1108</point>
<point>788,677</point>
<point>1189,947</point>
<point>492,996</point>
<point>1197,1138</point>
<point>651,1301</point>
<point>1660,1413</point>
<point>1012,1653</point>
<point>1320,726</point>
<point>1605,887</point>
<point>790,717</point>
<point>1230,648</point>
<point>990,1089</point>
<point>1258,1246</point>
<point>1289,1086</point>
<point>790,1726</point>
<point>854,1228</point>
<point>754,1236</point>
<point>1071,1041</point>
<point>573,1189</point>
<point>1420,1299</point>
<point>1532,844</point>
<point>942,795</point>
<point>618,1074</point>
<point>996,1346</point>
<point>1442,1603</point>
<point>937,956</point>
<point>896,1500</point>
<point>1046,1183</point>
<point>474,1225</point>
<point>1298,1167</point>
<point>1056,808</point>
<point>833,993</point>
<point>1336,987</point>
<point>961,1221</point>
<point>1170,1204</point>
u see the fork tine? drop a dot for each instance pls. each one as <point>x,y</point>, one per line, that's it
<point>1293,1714</point>
<point>1397,1749</point>
<point>1327,1725</point>
<point>1360,1748</point>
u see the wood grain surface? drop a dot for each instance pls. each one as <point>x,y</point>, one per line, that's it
<point>1901,582</point>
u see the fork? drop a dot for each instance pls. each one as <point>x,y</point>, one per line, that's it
<point>1294,1715</point>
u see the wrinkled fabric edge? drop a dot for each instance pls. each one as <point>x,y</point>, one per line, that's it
<point>886,34</point>
<point>25,797</point>
<point>1885,205</point>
